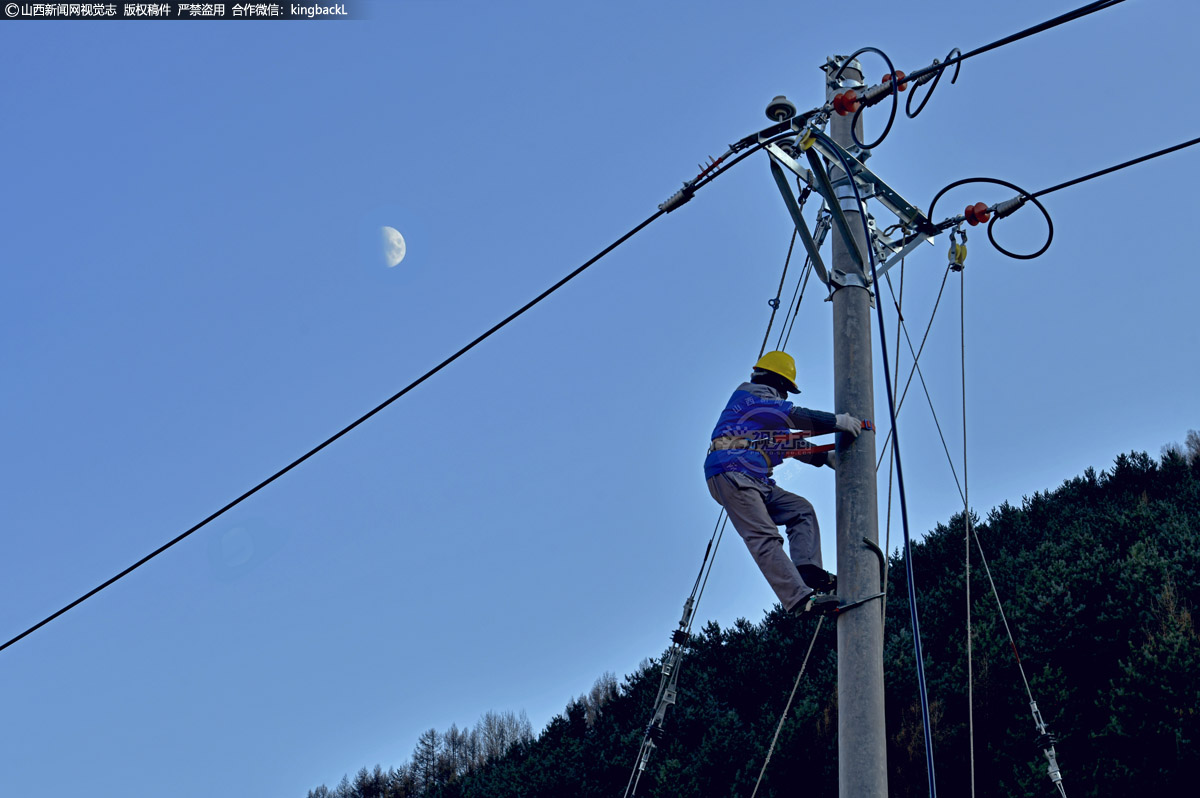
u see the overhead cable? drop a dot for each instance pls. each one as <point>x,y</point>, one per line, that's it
<point>1102,172</point>
<point>956,57</point>
<point>1062,19</point>
<point>980,212</point>
<point>361,419</point>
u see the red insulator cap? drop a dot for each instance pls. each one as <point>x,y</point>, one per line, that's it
<point>846,103</point>
<point>977,213</point>
<point>900,77</point>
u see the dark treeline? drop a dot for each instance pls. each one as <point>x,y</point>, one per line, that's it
<point>1098,580</point>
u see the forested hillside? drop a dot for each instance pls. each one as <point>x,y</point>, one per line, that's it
<point>1098,580</point>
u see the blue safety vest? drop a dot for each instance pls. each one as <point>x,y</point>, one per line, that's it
<point>752,408</point>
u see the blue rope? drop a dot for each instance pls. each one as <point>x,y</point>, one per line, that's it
<point>908,566</point>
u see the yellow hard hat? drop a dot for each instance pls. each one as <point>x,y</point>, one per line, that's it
<point>780,363</point>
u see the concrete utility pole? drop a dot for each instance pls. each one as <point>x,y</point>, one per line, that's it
<point>862,753</point>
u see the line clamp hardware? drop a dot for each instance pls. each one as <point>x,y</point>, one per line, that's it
<point>680,197</point>
<point>1046,741</point>
<point>878,92</point>
<point>1009,207</point>
<point>685,194</point>
<point>979,213</point>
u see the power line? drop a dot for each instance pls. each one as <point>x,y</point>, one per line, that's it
<point>512,316</point>
<point>1062,19</point>
<point>1110,169</point>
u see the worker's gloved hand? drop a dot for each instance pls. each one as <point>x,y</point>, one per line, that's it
<point>848,423</point>
<point>831,460</point>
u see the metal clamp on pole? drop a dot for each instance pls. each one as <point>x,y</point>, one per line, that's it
<point>878,552</point>
<point>851,605</point>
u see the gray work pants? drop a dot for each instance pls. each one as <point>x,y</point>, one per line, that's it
<point>757,510</point>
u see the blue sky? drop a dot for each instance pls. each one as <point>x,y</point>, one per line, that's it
<point>193,296</point>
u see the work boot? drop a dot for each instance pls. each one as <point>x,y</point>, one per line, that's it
<point>817,578</point>
<point>815,604</point>
<point>801,607</point>
<point>825,604</point>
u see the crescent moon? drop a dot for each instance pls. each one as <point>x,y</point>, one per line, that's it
<point>393,246</point>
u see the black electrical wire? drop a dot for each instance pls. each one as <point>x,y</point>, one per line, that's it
<point>1023,193</point>
<point>955,60</point>
<point>1032,196</point>
<point>895,97</point>
<point>1103,172</point>
<point>345,429</point>
<point>1062,19</point>
<point>909,112</point>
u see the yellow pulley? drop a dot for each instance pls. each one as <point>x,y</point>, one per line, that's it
<point>957,253</point>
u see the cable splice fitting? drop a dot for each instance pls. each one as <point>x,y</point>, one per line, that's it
<point>875,94</point>
<point>679,198</point>
<point>1009,207</point>
<point>878,93</point>
<point>928,76</point>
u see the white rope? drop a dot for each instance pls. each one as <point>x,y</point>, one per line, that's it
<point>786,709</point>
<point>967,528</point>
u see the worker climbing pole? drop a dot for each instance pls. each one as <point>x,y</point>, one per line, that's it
<point>830,139</point>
